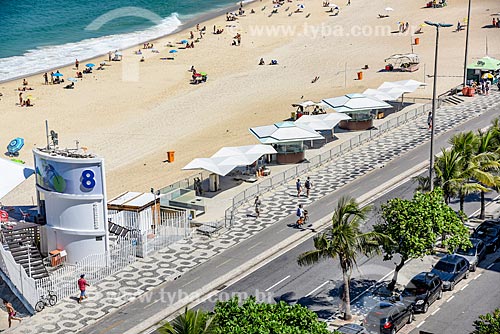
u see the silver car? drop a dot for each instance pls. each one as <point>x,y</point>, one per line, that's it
<point>474,254</point>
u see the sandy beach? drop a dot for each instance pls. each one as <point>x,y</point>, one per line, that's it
<point>133,112</point>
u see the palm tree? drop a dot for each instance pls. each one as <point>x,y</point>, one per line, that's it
<point>345,241</point>
<point>191,322</point>
<point>423,183</point>
<point>448,169</point>
<point>487,156</point>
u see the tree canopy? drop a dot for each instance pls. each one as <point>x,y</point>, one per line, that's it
<point>488,323</point>
<point>252,317</point>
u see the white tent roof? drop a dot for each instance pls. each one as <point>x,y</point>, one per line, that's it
<point>322,121</point>
<point>228,158</point>
<point>284,132</point>
<point>355,102</point>
<point>406,86</point>
<point>12,174</point>
<point>381,95</point>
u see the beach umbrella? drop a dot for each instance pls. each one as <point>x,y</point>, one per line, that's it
<point>333,5</point>
<point>57,74</point>
<point>388,9</point>
<point>72,79</point>
<point>15,145</point>
<point>4,216</point>
<point>203,73</point>
<point>90,65</point>
<point>172,51</point>
<point>184,41</point>
<point>487,76</point>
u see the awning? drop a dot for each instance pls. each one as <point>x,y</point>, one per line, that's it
<point>355,102</point>
<point>12,174</point>
<point>485,64</point>
<point>228,158</point>
<point>284,132</point>
<point>322,122</point>
<point>381,95</point>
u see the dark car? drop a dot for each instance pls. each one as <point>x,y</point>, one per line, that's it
<point>451,269</point>
<point>352,329</point>
<point>423,290</point>
<point>388,317</point>
<point>489,233</point>
<point>474,254</point>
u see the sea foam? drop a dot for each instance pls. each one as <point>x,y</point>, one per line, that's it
<point>51,57</point>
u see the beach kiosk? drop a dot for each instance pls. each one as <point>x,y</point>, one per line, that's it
<point>71,193</point>
<point>479,68</point>
<point>287,138</point>
<point>361,108</point>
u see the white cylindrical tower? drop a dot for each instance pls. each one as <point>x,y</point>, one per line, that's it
<point>72,196</point>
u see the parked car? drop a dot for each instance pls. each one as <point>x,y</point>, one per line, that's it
<point>451,269</point>
<point>489,233</point>
<point>474,254</point>
<point>352,329</point>
<point>388,317</point>
<point>423,290</point>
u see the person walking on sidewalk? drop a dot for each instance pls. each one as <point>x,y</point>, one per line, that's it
<point>298,185</point>
<point>429,120</point>
<point>82,285</point>
<point>257,207</point>
<point>11,312</point>
<point>308,185</point>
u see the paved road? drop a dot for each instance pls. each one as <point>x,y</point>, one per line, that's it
<point>317,286</point>
<point>155,301</point>
<point>457,314</point>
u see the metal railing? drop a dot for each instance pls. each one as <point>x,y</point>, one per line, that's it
<point>319,160</point>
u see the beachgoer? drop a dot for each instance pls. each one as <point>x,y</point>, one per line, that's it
<point>192,45</point>
<point>197,28</point>
<point>77,63</point>
<point>11,312</point>
<point>109,55</point>
<point>493,23</point>
<point>429,120</point>
<point>257,204</point>
<point>459,26</point>
<point>25,83</point>
<point>46,78</point>
<point>27,103</point>
<point>82,285</point>
<point>142,59</point>
<point>298,186</point>
<point>261,62</point>
<point>348,2</point>
<point>21,98</point>
<point>487,86</point>
<point>191,35</point>
<point>308,185</point>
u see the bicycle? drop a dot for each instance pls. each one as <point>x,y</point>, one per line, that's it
<point>50,300</point>
<point>303,220</point>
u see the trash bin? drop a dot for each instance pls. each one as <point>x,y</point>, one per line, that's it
<point>465,91</point>
<point>417,40</point>
<point>170,156</point>
<point>360,75</point>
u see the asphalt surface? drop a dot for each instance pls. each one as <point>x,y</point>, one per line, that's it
<point>139,310</point>
<point>457,314</point>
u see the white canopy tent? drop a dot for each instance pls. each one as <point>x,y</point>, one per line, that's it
<point>400,88</point>
<point>322,122</point>
<point>228,158</point>
<point>12,174</point>
<point>284,132</point>
<point>355,102</point>
<point>381,95</point>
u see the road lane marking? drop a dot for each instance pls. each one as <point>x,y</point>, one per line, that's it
<point>272,286</point>
<point>491,265</point>
<point>116,323</point>
<point>149,305</point>
<point>436,311</point>
<point>284,228</point>
<point>223,263</point>
<point>319,287</point>
<point>420,324</point>
<point>191,281</point>
<point>255,245</point>
<point>478,276</point>
<point>449,299</point>
<point>466,285</point>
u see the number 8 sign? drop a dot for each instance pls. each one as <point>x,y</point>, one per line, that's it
<point>88,181</point>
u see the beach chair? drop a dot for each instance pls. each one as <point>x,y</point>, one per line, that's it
<point>25,214</point>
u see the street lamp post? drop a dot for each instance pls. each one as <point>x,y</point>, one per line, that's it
<point>434,90</point>
<point>466,44</point>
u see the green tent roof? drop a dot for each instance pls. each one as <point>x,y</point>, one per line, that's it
<point>486,64</point>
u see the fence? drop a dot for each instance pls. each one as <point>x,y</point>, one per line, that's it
<point>63,281</point>
<point>171,228</point>
<point>319,160</point>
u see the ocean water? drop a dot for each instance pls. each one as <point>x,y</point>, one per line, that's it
<point>38,35</point>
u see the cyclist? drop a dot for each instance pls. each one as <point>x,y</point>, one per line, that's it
<point>301,214</point>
